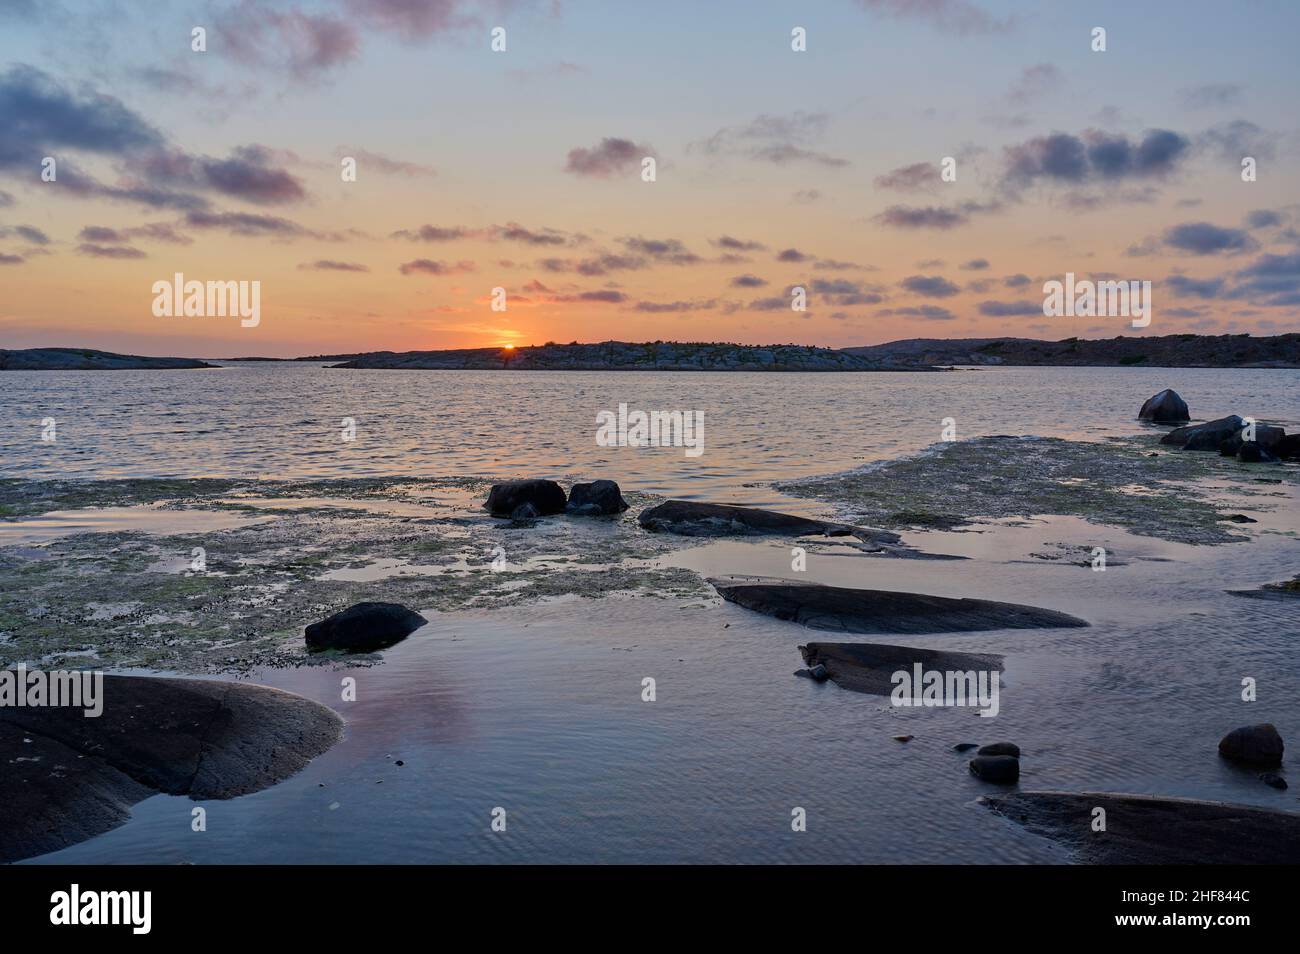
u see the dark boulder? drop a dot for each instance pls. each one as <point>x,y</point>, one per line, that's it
<point>67,778</point>
<point>1205,436</point>
<point>598,498</point>
<point>1002,769</point>
<point>546,495</point>
<point>1288,448</point>
<point>847,610</point>
<point>1273,780</point>
<point>870,667</point>
<point>694,519</point>
<point>1165,408</point>
<point>1000,748</point>
<point>525,511</point>
<point>363,628</point>
<point>1250,453</point>
<point>1253,745</point>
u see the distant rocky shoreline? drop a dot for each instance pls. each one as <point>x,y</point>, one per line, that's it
<point>915,354</point>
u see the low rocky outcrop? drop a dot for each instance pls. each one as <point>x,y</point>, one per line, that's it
<point>1000,748</point>
<point>364,628</point>
<point>846,610</point>
<point>545,496</point>
<point>869,667</point>
<point>67,778</point>
<point>1253,745</point>
<point>1205,436</point>
<point>1146,830</point>
<point>87,359</point>
<point>694,519</point>
<point>1165,407</point>
<point>596,499</point>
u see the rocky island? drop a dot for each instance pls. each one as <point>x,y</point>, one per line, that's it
<point>85,359</point>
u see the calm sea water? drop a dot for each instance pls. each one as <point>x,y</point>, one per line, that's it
<point>285,420</point>
<point>538,709</point>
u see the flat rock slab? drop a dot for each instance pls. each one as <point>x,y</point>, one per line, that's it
<point>845,610</point>
<point>1148,830</point>
<point>65,777</point>
<point>693,519</point>
<point>869,667</point>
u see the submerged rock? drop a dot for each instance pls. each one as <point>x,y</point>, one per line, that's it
<point>692,519</point>
<point>841,609</point>
<point>525,511</point>
<point>964,746</point>
<point>598,498</point>
<point>1253,745</point>
<point>1166,407</point>
<point>1288,448</point>
<point>1146,830</point>
<point>1205,436</point>
<point>869,667</point>
<point>1273,780</point>
<point>1001,769</point>
<point>1001,748</point>
<point>1255,454</point>
<point>545,495</point>
<point>67,778</point>
<point>364,627</point>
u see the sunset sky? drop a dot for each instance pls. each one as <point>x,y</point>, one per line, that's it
<point>522,169</point>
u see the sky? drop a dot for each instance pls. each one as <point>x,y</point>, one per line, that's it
<point>523,169</point>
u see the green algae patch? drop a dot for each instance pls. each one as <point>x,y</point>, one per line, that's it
<point>1121,482</point>
<point>232,598</point>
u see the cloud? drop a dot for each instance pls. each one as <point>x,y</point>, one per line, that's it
<point>367,160</point>
<point>918,177</point>
<point>305,45</point>
<point>922,217</point>
<point>1019,280</point>
<point>1264,219</point>
<point>1203,238</point>
<point>748,281</point>
<point>606,295</point>
<point>609,158</point>
<point>28,233</point>
<point>109,251</point>
<point>7,259</point>
<point>1035,81</point>
<point>806,196</point>
<point>931,286</point>
<point>327,265</point>
<point>157,231</point>
<point>1008,309</point>
<point>40,117</point>
<point>925,312</point>
<point>432,233</point>
<point>429,267</point>
<point>947,16</point>
<point>6,199</point>
<point>415,19</point>
<point>655,308</point>
<point>664,251</point>
<point>1093,157</point>
<point>1186,287</point>
<point>247,174</point>
<point>975,265</point>
<point>846,293</point>
<point>736,245</point>
<point>248,224</point>
<point>791,255</point>
<point>514,232</point>
<point>1237,138</point>
<point>1210,95</point>
<point>776,139</point>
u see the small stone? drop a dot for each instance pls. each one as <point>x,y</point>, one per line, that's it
<point>904,738</point>
<point>1002,769</point>
<point>964,746</point>
<point>1001,748</point>
<point>399,762</point>
<point>1272,779</point>
<point>819,673</point>
<point>1253,744</point>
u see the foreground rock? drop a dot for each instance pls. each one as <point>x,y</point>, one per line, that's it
<point>85,359</point>
<point>844,610</point>
<point>869,667</point>
<point>1166,407</point>
<point>1145,830</point>
<point>596,499</point>
<point>1000,769</point>
<point>692,519</point>
<point>364,628</point>
<point>1207,436</point>
<point>67,778</point>
<point>545,496</point>
<point>1253,745</point>
<point>1287,590</point>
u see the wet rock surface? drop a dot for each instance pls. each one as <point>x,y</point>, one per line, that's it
<point>1165,407</point>
<point>598,498</point>
<point>67,777</point>
<point>546,496</point>
<point>841,609</point>
<point>869,667</point>
<point>1146,830</point>
<point>693,519</point>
